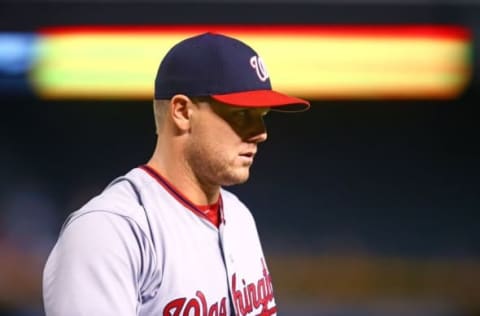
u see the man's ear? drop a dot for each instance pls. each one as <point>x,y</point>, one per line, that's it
<point>181,111</point>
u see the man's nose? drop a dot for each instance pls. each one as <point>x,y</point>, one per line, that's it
<point>258,132</point>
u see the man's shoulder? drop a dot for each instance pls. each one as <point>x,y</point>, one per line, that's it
<point>234,207</point>
<point>120,198</point>
<point>230,197</point>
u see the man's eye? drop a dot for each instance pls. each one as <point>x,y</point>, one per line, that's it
<point>241,114</point>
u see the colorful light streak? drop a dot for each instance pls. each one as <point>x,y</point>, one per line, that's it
<point>315,62</point>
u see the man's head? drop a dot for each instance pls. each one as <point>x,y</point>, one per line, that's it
<point>211,94</point>
<point>215,142</point>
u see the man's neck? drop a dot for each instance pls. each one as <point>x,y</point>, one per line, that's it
<point>185,181</point>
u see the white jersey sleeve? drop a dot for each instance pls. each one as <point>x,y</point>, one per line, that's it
<point>98,265</point>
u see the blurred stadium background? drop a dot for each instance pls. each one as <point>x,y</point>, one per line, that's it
<point>367,205</point>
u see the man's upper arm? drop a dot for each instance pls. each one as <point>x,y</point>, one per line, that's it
<point>94,268</point>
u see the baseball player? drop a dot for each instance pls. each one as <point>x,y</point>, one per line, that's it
<point>166,238</point>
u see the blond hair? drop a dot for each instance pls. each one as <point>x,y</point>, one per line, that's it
<point>160,110</point>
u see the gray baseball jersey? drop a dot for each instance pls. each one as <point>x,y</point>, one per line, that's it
<point>142,248</point>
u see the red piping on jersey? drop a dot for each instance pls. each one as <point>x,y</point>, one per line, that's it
<point>179,196</point>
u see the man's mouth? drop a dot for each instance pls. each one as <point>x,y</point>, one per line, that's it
<point>248,155</point>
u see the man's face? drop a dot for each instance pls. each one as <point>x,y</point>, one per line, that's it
<point>223,142</point>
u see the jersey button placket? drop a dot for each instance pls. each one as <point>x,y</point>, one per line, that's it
<point>229,261</point>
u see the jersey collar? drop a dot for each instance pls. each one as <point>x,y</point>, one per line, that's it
<point>179,196</point>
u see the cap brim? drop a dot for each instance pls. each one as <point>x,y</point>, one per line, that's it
<point>262,99</point>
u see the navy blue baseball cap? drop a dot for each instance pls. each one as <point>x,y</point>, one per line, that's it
<point>223,68</point>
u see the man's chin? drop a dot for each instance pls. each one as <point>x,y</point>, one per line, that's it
<point>236,179</point>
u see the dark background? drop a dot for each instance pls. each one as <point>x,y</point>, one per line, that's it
<point>348,180</point>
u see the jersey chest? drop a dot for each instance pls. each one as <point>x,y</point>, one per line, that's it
<point>192,277</point>
<point>203,270</point>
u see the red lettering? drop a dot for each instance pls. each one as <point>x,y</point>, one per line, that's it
<point>174,307</point>
<point>223,307</point>
<point>192,304</point>
<point>268,279</point>
<point>237,296</point>
<point>262,293</point>
<point>195,307</point>
<point>248,299</point>
<point>268,312</point>
<point>213,311</point>
<point>254,294</point>
<point>203,301</point>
